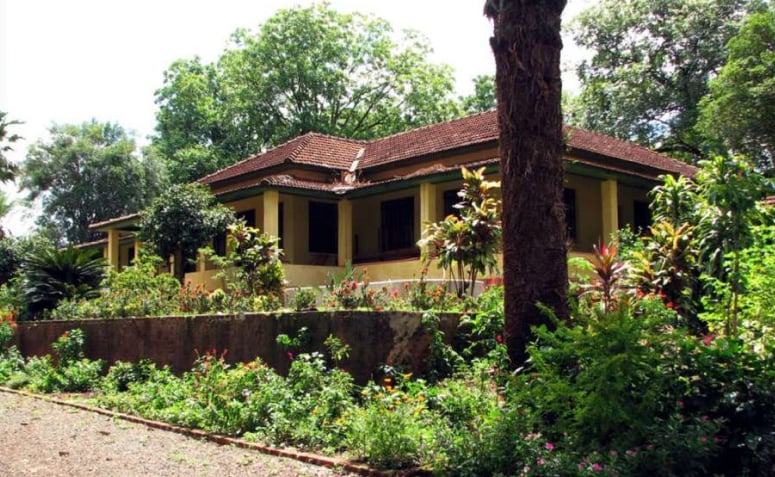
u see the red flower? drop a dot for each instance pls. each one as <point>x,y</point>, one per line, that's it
<point>708,339</point>
<point>499,339</point>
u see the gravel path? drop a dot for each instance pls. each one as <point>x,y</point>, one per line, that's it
<point>39,438</point>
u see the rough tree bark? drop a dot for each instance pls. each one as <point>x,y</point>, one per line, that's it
<point>527,44</point>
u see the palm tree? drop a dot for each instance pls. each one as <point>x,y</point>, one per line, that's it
<point>52,275</point>
<point>8,170</point>
<point>526,43</point>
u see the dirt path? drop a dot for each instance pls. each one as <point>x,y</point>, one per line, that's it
<point>39,438</point>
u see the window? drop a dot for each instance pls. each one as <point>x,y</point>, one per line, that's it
<point>569,199</point>
<point>219,241</point>
<point>641,216</point>
<point>323,227</point>
<point>397,224</point>
<point>450,199</point>
<point>131,255</point>
<point>247,216</point>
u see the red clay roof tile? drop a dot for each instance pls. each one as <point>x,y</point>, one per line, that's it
<point>479,129</point>
<point>310,149</point>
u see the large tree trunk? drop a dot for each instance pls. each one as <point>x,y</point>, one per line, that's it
<point>526,44</point>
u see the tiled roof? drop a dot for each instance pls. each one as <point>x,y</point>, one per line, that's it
<point>625,151</point>
<point>479,129</point>
<point>280,180</point>
<point>310,149</point>
<point>124,218</point>
<point>470,130</point>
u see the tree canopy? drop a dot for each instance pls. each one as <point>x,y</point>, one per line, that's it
<point>304,69</point>
<point>86,173</point>
<point>740,110</point>
<point>182,220</point>
<point>650,67</point>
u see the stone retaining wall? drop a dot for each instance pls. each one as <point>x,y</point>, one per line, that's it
<point>375,338</point>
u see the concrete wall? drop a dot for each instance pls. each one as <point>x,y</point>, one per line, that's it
<point>375,338</point>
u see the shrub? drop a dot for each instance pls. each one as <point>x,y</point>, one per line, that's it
<point>304,299</point>
<point>52,275</point>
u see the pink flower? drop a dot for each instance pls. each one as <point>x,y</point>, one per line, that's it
<point>703,439</point>
<point>540,461</point>
<point>708,339</point>
<point>613,452</point>
<point>597,467</point>
<point>549,446</point>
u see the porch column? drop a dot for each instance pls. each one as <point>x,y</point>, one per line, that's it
<point>345,232</point>
<point>427,205</point>
<point>113,257</point>
<point>609,192</point>
<point>271,223</point>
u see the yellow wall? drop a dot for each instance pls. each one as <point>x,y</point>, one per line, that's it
<point>589,224</point>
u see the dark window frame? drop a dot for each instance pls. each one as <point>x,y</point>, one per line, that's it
<point>571,222</point>
<point>323,222</point>
<point>397,224</point>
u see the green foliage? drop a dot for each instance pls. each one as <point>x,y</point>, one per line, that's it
<point>442,360</point>
<point>738,111</point>
<point>304,299</point>
<point>86,173</point>
<point>257,257</point>
<point>69,347</point>
<point>668,265</point>
<point>181,221</point>
<point>337,349</point>
<point>8,170</point>
<point>10,258</point>
<point>137,290</point>
<point>122,374</point>
<point>650,67</point>
<point>71,373</point>
<point>730,189</point>
<point>304,69</point>
<point>350,290</point>
<point>390,436</point>
<point>467,246</point>
<point>483,98</point>
<point>676,200</point>
<point>51,276</point>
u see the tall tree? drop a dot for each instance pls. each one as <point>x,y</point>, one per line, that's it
<point>527,44</point>
<point>650,67</point>
<point>8,169</point>
<point>182,220</point>
<point>86,173</point>
<point>740,110</point>
<point>483,98</point>
<point>305,69</point>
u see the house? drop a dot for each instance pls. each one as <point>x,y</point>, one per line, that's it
<point>333,200</point>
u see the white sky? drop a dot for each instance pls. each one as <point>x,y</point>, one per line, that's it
<point>68,61</point>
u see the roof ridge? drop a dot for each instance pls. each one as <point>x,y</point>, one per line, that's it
<point>428,126</point>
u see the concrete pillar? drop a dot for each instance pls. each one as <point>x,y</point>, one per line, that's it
<point>289,228</point>
<point>609,192</point>
<point>113,243</point>
<point>271,223</point>
<point>427,205</point>
<point>345,233</point>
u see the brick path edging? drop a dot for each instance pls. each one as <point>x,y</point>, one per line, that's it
<point>305,457</point>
